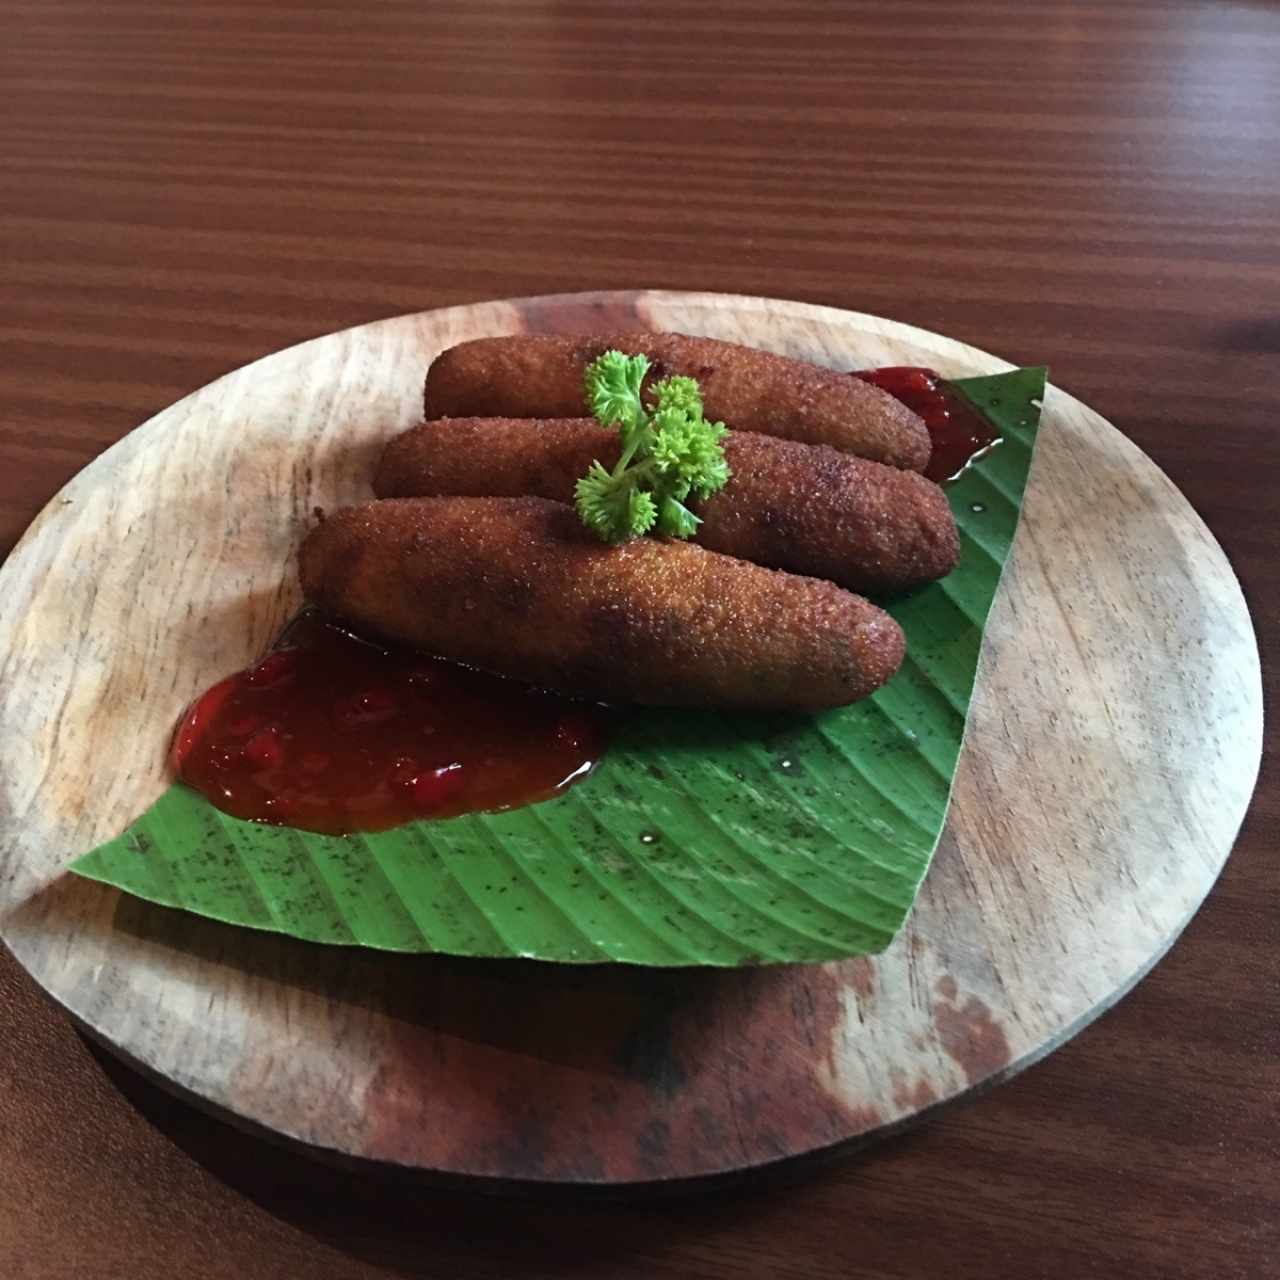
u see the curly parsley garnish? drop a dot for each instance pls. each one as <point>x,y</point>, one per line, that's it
<point>669,451</point>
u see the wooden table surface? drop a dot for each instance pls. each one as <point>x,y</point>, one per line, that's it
<point>1092,185</point>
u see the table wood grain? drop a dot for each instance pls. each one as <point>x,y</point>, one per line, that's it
<point>1097,186</point>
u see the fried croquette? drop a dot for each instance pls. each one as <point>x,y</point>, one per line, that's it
<point>541,376</point>
<point>807,509</point>
<point>518,587</point>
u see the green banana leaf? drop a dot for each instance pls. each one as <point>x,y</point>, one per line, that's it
<point>702,839</point>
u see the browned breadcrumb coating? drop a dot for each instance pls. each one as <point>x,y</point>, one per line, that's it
<point>804,508</point>
<point>493,457</point>
<point>516,586</point>
<point>540,376</point>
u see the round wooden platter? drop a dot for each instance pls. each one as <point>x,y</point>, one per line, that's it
<point>1113,744</point>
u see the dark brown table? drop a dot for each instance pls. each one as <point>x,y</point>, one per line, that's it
<point>1096,185</point>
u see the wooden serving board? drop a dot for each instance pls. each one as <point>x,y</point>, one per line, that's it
<point>1112,747</point>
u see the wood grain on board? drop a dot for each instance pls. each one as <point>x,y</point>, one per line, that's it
<point>1110,754</point>
<point>1092,186</point>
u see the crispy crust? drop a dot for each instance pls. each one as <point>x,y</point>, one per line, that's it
<point>517,587</point>
<point>804,508</point>
<point>540,376</point>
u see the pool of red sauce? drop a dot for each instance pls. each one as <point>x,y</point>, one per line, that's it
<point>959,433</point>
<point>332,733</point>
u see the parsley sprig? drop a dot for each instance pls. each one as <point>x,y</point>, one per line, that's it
<point>669,452</point>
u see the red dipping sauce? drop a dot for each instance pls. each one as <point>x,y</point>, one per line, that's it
<point>332,733</point>
<point>960,434</point>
